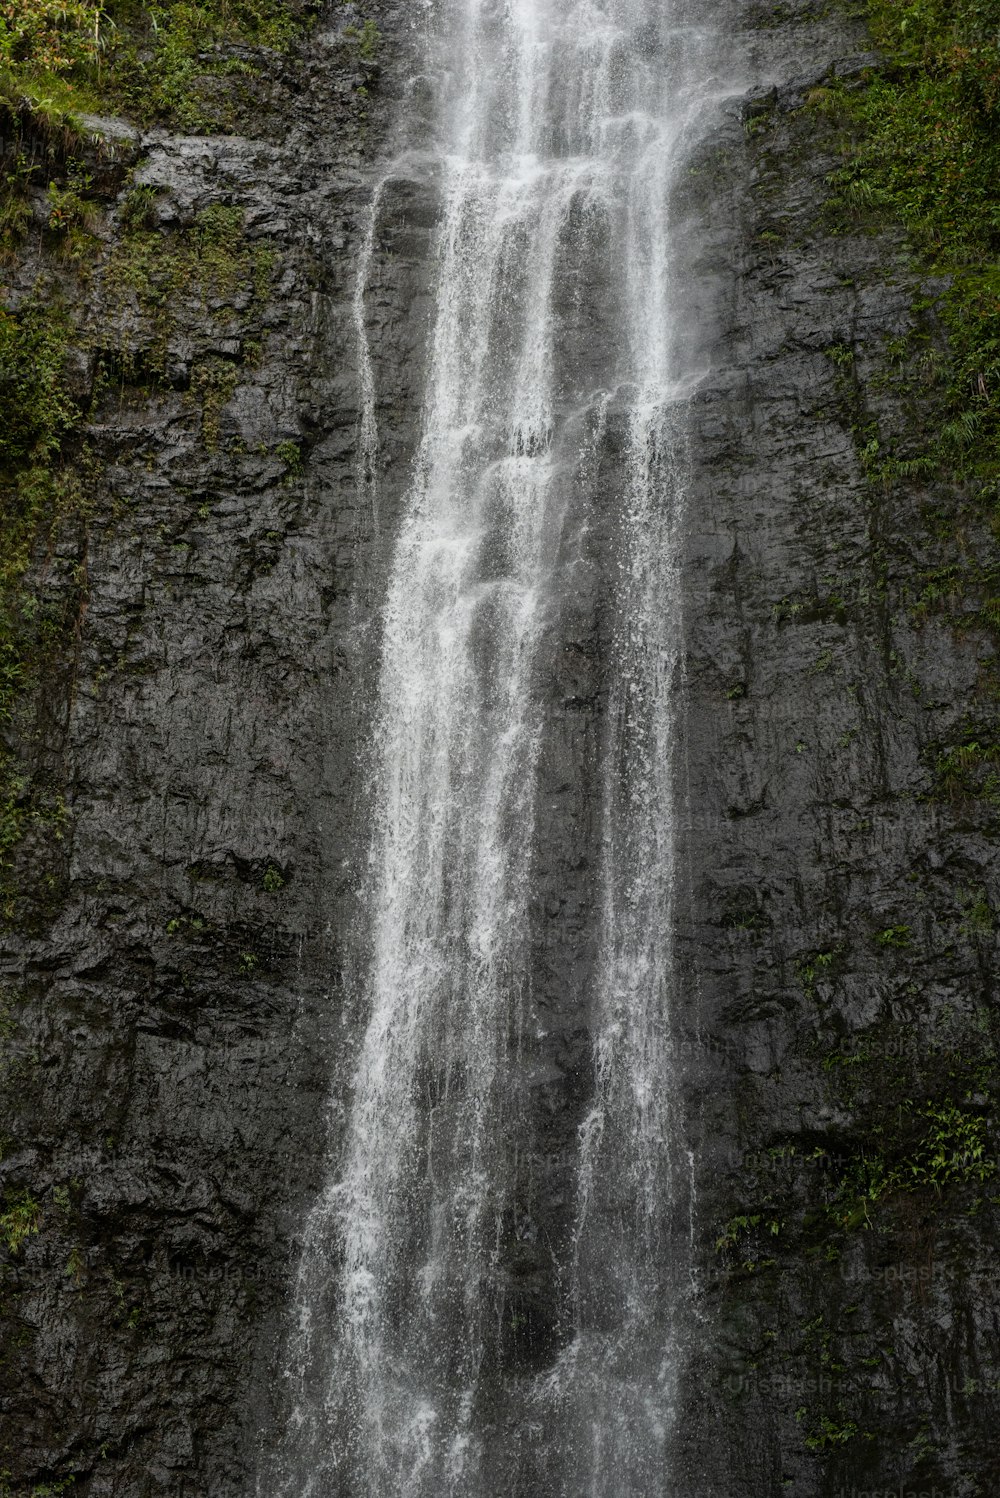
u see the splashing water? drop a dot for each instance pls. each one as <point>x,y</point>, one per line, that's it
<point>558,357</point>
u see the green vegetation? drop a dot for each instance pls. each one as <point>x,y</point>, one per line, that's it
<point>978,913</point>
<point>46,47</point>
<point>58,57</point>
<point>919,139</point>
<point>926,1148</point>
<point>910,1149</point>
<point>211,261</point>
<point>176,62</point>
<point>212,384</point>
<point>290,454</point>
<point>369,41</point>
<point>159,272</point>
<point>825,1432</point>
<point>37,410</point>
<point>137,210</point>
<point>19,1220</point>
<point>813,967</point>
<point>923,150</point>
<point>968,771</point>
<point>184,64</point>
<point>912,1162</point>
<point>898,1184</point>
<point>730,1235</point>
<point>45,467</point>
<point>35,493</point>
<point>895,936</point>
<point>40,1490</point>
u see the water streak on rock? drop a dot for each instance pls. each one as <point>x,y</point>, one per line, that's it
<point>560,133</point>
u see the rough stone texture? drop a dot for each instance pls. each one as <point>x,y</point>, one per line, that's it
<point>834,980</point>
<point>176,986</point>
<point>173,995</point>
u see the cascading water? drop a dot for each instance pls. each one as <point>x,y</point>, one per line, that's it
<point>556,371</point>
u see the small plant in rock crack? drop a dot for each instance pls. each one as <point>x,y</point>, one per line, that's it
<point>978,913</point>
<point>953,1149</point>
<point>19,1221</point>
<point>139,209</point>
<point>68,209</point>
<point>369,39</point>
<point>895,936</point>
<point>812,967</point>
<point>290,454</point>
<point>824,1432</point>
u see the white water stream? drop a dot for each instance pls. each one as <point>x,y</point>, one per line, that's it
<point>562,128</point>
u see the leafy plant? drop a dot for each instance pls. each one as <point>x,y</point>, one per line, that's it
<point>290,454</point>
<point>19,1221</point>
<point>138,208</point>
<point>922,139</point>
<point>370,41</point>
<point>827,1432</point>
<point>37,408</point>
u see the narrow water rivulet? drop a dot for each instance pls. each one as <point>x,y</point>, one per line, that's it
<point>453,1332</point>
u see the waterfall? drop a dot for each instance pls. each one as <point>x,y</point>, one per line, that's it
<point>556,399</point>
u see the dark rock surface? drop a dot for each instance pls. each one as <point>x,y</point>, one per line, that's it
<point>173,1004</point>
<point>838,946</point>
<point>172,997</point>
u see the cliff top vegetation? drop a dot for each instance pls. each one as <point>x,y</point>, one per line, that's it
<point>925,152</point>
<point>59,58</point>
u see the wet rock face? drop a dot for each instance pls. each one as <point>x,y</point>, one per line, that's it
<point>173,999</point>
<point>174,1011</point>
<point>837,942</point>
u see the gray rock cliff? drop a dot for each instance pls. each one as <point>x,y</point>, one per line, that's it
<point>178,954</point>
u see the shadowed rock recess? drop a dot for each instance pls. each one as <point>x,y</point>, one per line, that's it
<point>191,651</point>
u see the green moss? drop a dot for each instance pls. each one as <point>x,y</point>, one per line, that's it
<point>138,208</point>
<point>37,409</point>
<point>40,1490</point>
<point>290,454</point>
<point>43,44</point>
<point>213,383</point>
<point>823,1432</point>
<point>968,770</point>
<point>977,912</point>
<point>61,56</point>
<point>895,936</point>
<point>922,138</point>
<point>20,1220</point>
<point>933,1147</point>
<point>161,66</point>
<point>211,261</point>
<point>35,494</point>
<point>814,967</point>
<point>159,273</point>
<point>370,41</point>
<point>921,1142</point>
